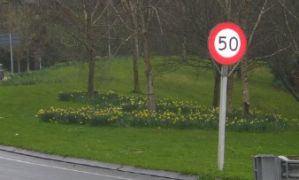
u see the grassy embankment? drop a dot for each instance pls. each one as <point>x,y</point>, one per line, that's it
<point>188,151</point>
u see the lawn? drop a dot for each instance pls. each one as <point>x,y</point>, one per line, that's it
<point>187,151</point>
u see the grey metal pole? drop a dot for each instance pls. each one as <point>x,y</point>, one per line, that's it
<point>222,116</point>
<point>11,54</point>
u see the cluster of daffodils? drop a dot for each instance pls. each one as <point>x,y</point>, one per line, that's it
<point>113,109</point>
<point>83,115</point>
<point>259,121</point>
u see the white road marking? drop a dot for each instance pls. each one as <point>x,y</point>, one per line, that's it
<point>62,168</point>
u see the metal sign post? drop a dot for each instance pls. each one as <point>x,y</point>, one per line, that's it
<point>222,116</point>
<point>227,45</point>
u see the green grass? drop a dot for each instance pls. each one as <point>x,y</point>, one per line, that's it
<point>187,151</point>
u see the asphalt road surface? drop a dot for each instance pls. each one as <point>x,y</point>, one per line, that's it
<point>19,167</point>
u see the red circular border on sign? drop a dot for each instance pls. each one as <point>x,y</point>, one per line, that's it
<point>215,55</point>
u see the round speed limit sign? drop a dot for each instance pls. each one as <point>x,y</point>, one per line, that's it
<point>227,43</point>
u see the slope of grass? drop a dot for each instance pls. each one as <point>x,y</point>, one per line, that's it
<point>188,151</point>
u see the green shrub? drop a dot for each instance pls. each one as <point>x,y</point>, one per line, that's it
<point>74,96</point>
<point>107,99</point>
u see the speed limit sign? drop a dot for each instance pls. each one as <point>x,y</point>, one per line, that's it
<point>227,43</point>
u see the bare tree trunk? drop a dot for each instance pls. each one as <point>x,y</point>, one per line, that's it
<point>90,52</point>
<point>230,87</point>
<point>40,62</point>
<point>145,18</point>
<point>134,19</point>
<point>184,44</point>
<point>244,63</point>
<point>91,74</point>
<point>19,65</point>
<point>216,89</point>
<point>37,59</point>
<point>230,83</point>
<point>184,49</point>
<point>245,85</point>
<point>151,104</point>
<point>109,32</point>
<point>136,88</point>
<point>28,62</point>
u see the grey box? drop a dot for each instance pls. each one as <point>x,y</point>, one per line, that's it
<point>269,167</point>
<point>290,168</point>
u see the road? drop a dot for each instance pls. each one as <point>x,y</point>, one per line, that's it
<point>20,167</point>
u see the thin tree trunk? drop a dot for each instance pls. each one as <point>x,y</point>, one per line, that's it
<point>245,85</point>
<point>134,19</point>
<point>136,88</point>
<point>27,62</point>
<point>40,62</point>
<point>185,25</point>
<point>184,49</point>
<point>90,51</point>
<point>216,89</point>
<point>19,65</point>
<point>145,17</point>
<point>151,104</point>
<point>230,87</point>
<point>36,60</point>
<point>230,83</point>
<point>244,63</point>
<point>27,65</point>
<point>91,74</point>
<point>109,33</point>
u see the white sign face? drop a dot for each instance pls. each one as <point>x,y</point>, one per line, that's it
<point>227,43</point>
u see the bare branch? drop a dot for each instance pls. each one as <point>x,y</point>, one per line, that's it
<point>96,8</point>
<point>101,15</point>
<point>122,43</point>
<point>68,14</point>
<point>125,4</point>
<point>262,12</point>
<point>289,11</point>
<point>289,29</point>
<point>158,18</point>
<point>273,54</point>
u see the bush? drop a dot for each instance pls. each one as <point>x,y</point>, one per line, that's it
<point>113,109</point>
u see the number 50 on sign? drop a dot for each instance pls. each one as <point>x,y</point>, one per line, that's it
<point>227,43</point>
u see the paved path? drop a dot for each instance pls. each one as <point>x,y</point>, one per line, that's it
<point>21,167</point>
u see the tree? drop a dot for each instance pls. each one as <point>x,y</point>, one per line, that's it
<point>146,10</point>
<point>84,20</point>
<point>250,22</point>
<point>131,9</point>
<point>142,13</point>
<point>28,20</point>
<point>190,22</point>
<point>285,62</point>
